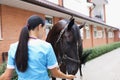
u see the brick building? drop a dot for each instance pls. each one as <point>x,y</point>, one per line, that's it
<point>14,13</point>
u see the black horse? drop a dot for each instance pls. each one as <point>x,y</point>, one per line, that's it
<point>67,43</point>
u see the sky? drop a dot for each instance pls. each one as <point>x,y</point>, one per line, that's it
<point>113,13</point>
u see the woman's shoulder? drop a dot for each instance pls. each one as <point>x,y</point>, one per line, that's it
<point>39,42</point>
<point>14,44</point>
<point>45,43</point>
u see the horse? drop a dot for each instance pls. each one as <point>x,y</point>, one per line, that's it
<point>66,41</point>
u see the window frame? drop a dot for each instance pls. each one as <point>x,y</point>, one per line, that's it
<point>110,34</point>
<point>87,31</point>
<point>95,32</point>
<point>48,26</point>
<point>103,32</point>
<point>99,34</point>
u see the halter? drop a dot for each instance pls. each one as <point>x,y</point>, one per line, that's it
<point>61,33</point>
<point>64,55</point>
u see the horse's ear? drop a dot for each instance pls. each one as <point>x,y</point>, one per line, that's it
<point>71,17</point>
<point>82,25</point>
<point>71,23</point>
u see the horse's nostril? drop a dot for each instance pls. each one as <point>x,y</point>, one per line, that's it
<point>72,69</point>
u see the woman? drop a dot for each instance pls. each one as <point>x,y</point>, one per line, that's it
<point>32,57</point>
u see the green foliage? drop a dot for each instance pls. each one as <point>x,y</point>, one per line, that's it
<point>2,70</point>
<point>97,51</point>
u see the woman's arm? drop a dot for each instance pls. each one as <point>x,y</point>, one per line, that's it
<point>57,73</point>
<point>7,75</point>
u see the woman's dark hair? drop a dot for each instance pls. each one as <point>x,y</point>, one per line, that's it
<point>21,56</point>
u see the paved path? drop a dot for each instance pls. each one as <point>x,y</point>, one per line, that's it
<point>105,67</point>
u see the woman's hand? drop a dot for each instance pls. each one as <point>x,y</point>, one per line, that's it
<point>7,75</point>
<point>55,72</point>
<point>71,76</point>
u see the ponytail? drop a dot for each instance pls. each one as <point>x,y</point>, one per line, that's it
<point>21,57</point>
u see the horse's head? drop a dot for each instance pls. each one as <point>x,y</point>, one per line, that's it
<point>66,40</point>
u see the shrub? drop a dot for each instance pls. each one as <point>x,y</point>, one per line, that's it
<point>2,69</point>
<point>97,51</point>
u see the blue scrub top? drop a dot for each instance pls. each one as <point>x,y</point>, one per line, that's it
<point>41,58</point>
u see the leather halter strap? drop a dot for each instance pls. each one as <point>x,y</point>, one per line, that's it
<point>61,33</point>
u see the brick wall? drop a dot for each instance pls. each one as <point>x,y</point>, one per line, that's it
<point>13,19</point>
<point>116,35</point>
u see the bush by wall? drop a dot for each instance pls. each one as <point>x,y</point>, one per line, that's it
<point>97,51</point>
<point>2,69</point>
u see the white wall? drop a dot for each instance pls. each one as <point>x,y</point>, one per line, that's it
<point>77,5</point>
<point>98,10</point>
<point>53,1</point>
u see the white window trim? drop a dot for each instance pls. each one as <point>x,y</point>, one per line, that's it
<point>103,32</point>
<point>48,26</point>
<point>110,34</point>
<point>99,34</point>
<point>87,29</point>
<point>95,29</point>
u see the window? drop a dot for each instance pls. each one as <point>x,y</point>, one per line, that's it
<point>87,30</point>
<point>95,32</point>
<point>103,32</point>
<point>99,34</point>
<point>98,12</point>
<point>49,23</point>
<point>110,34</point>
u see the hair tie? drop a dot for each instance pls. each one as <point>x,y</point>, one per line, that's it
<point>27,25</point>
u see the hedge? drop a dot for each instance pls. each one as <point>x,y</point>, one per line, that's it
<point>2,69</point>
<point>100,50</point>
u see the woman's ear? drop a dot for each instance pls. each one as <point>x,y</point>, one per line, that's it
<point>40,26</point>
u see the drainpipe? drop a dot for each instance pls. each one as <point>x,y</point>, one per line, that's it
<point>91,26</point>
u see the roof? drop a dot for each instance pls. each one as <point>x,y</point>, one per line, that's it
<point>46,7</point>
<point>58,8</point>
